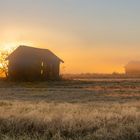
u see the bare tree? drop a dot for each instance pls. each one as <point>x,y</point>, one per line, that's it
<point>4,63</point>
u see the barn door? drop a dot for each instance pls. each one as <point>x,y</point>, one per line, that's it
<point>43,70</point>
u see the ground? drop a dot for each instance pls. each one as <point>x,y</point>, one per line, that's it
<point>96,109</point>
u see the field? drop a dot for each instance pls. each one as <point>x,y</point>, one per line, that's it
<point>99,109</point>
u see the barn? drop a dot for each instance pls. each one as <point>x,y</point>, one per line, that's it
<point>133,68</point>
<point>29,63</point>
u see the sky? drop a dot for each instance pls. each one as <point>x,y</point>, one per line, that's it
<point>91,36</point>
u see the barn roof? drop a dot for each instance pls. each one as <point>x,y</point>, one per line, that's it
<point>132,64</point>
<point>32,51</point>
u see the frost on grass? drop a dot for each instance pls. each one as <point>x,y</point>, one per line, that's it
<point>25,120</point>
<point>70,110</point>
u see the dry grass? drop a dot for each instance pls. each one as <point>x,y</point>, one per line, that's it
<point>71,110</point>
<point>25,120</point>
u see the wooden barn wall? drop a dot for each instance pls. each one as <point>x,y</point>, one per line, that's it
<point>30,69</point>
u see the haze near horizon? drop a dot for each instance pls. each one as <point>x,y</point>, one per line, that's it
<point>94,36</point>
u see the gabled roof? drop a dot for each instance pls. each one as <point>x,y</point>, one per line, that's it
<point>37,52</point>
<point>133,64</point>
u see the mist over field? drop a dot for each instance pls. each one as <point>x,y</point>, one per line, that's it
<point>69,69</point>
<point>70,110</point>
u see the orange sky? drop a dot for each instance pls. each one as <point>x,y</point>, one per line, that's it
<point>90,36</point>
<point>99,59</point>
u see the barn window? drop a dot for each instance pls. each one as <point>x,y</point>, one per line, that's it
<point>42,65</point>
<point>41,72</point>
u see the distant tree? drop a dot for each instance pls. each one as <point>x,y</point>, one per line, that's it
<point>63,69</point>
<point>3,62</point>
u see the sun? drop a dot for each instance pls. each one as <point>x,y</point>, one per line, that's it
<point>9,46</point>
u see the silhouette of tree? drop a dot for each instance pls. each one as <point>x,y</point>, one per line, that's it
<point>63,69</point>
<point>4,63</point>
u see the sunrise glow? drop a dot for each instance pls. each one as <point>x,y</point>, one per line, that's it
<point>98,40</point>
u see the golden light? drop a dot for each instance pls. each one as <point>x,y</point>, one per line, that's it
<point>10,46</point>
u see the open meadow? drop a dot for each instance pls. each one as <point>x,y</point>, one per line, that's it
<point>99,109</point>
